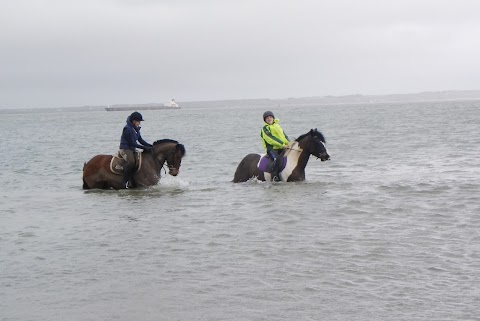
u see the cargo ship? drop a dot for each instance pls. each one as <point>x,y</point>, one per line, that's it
<point>153,106</point>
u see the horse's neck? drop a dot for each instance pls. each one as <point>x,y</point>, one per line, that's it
<point>154,162</point>
<point>160,155</point>
<point>297,156</point>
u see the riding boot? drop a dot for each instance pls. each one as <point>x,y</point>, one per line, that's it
<point>127,170</point>
<point>131,180</point>
<point>276,169</point>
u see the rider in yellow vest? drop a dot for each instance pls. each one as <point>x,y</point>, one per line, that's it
<point>274,140</point>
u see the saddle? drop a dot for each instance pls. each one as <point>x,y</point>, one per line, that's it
<point>117,162</point>
<point>265,164</point>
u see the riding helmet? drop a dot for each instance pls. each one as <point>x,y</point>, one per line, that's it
<point>136,116</point>
<point>268,113</point>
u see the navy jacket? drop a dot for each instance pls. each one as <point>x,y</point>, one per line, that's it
<point>130,136</point>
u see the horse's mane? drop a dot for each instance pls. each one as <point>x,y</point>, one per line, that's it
<point>166,140</point>
<point>313,132</point>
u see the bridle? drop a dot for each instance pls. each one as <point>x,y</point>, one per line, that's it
<point>299,150</point>
<point>171,167</point>
<point>165,157</point>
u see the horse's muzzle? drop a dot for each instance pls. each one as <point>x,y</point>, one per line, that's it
<point>173,171</point>
<point>324,157</point>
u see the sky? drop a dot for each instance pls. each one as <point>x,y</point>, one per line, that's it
<point>59,53</point>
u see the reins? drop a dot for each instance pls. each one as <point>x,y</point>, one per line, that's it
<point>170,167</point>
<point>163,167</point>
<point>297,150</point>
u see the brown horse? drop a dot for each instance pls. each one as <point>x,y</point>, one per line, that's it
<point>295,160</point>
<point>97,172</point>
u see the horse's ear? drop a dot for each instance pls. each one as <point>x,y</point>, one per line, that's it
<point>311,132</point>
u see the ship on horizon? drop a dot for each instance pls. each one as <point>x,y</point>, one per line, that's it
<point>152,106</point>
<point>173,103</point>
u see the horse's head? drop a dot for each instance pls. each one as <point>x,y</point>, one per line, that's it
<point>174,159</point>
<point>315,144</point>
<point>170,151</point>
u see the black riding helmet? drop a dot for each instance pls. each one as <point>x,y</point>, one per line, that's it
<point>136,116</point>
<point>268,113</point>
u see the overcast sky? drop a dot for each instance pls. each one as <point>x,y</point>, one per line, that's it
<point>97,52</point>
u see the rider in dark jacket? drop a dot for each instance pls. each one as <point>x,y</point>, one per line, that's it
<point>128,143</point>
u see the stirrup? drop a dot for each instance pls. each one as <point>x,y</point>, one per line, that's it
<point>125,185</point>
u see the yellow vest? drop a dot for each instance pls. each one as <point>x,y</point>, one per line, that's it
<point>273,136</point>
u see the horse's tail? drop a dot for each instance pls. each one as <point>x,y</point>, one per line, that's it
<point>85,185</point>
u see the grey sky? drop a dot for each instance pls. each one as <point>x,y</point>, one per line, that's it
<point>92,52</point>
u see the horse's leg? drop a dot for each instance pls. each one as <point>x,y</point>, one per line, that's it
<point>248,169</point>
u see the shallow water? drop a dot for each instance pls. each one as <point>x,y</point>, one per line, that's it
<point>386,230</point>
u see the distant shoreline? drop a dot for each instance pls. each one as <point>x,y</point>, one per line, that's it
<point>450,95</point>
<point>133,108</point>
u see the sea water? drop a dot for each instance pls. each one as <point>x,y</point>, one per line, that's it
<point>388,229</point>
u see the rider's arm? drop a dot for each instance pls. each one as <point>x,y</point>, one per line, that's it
<point>143,142</point>
<point>131,139</point>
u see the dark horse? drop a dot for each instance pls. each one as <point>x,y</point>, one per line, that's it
<point>97,172</point>
<point>297,155</point>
